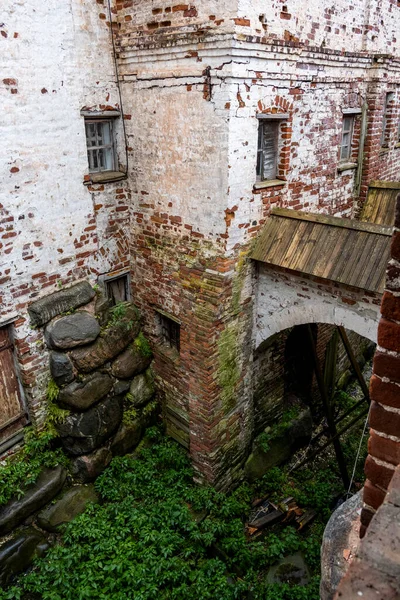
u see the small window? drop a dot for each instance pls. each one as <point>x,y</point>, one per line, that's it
<point>100,145</point>
<point>347,137</point>
<point>267,151</point>
<point>117,289</point>
<point>387,119</point>
<point>170,332</point>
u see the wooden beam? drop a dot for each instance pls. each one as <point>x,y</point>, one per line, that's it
<point>332,439</point>
<point>387,185</point>
<point>328,412</point>
<point>354,363</point>
<point>332,221</point>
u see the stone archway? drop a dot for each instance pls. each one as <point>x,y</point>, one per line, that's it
<point>286,300</point>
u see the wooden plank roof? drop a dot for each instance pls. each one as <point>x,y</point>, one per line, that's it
<point>349,252</point>
<point>380,205</point>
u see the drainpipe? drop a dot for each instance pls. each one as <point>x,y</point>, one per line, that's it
<point>360,158</point>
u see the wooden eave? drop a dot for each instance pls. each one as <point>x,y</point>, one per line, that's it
<point>380,205</point>
<point>352,253</point>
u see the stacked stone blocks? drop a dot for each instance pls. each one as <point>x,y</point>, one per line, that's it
<point>101,373</point>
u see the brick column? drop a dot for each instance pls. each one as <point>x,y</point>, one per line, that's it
<point>384,442</point>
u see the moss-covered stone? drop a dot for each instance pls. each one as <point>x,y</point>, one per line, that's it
<point>142,389</point>
<point>280,448</point>
<point>69,506</point>
<point>18,553</point>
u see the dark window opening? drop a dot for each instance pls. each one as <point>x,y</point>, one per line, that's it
<point>387,119</point>
<point>170,332</point>
<point>267,151</point>
<point>117,289</point>
<point>347,138</point>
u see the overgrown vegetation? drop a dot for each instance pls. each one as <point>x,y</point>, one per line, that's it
<point>55,414</point>
<point>143,345</point>
<point>157,536</point>
<point>118,314</point>
<point>24,467</point>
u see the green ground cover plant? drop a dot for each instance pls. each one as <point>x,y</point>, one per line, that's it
<point>157,536</point>
<point>24,467</point>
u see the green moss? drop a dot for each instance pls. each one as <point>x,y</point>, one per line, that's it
<point>130,416</point>
<point>228,371</point>
<point>54,414</point>
<point>238,281</point>
<point>264,440</point>
<point>149,408</point>
<point>143,345</point>
<point>23,468</point>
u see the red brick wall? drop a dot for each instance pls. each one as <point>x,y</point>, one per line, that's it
<point>381,163</point>
<point>384,442</point>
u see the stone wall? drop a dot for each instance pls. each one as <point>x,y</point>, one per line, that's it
<point>193,78</point>
<point>101,398</point>
<point>284,300</point>
<point>342,25</point>
<point>375,571</point>
<point>101,375</point>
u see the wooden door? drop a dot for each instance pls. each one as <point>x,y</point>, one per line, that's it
<point>12,415</point>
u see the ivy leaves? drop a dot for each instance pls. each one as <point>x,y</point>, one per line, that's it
<point>157,536</point>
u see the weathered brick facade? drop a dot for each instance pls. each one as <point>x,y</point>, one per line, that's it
<point>193,78</point>
<point>384,442</point>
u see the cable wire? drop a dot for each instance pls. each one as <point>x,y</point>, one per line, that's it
<point>118,85</point>
<point>358,454</point>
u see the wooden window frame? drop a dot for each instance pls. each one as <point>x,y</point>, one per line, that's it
<point>107,279</point>
<point>270,119</point>
<point>97,147</point>
<point>274,127</point>
<point>11,429</point>
<point>386,121</point>
<point>350,132</point>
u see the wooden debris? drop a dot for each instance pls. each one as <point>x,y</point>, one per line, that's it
<point>266,513</point>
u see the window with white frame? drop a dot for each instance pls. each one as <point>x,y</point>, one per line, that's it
<point>100,144</point>
<point>347,137</point>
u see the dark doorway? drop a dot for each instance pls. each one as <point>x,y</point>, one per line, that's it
<point>299,366</point>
